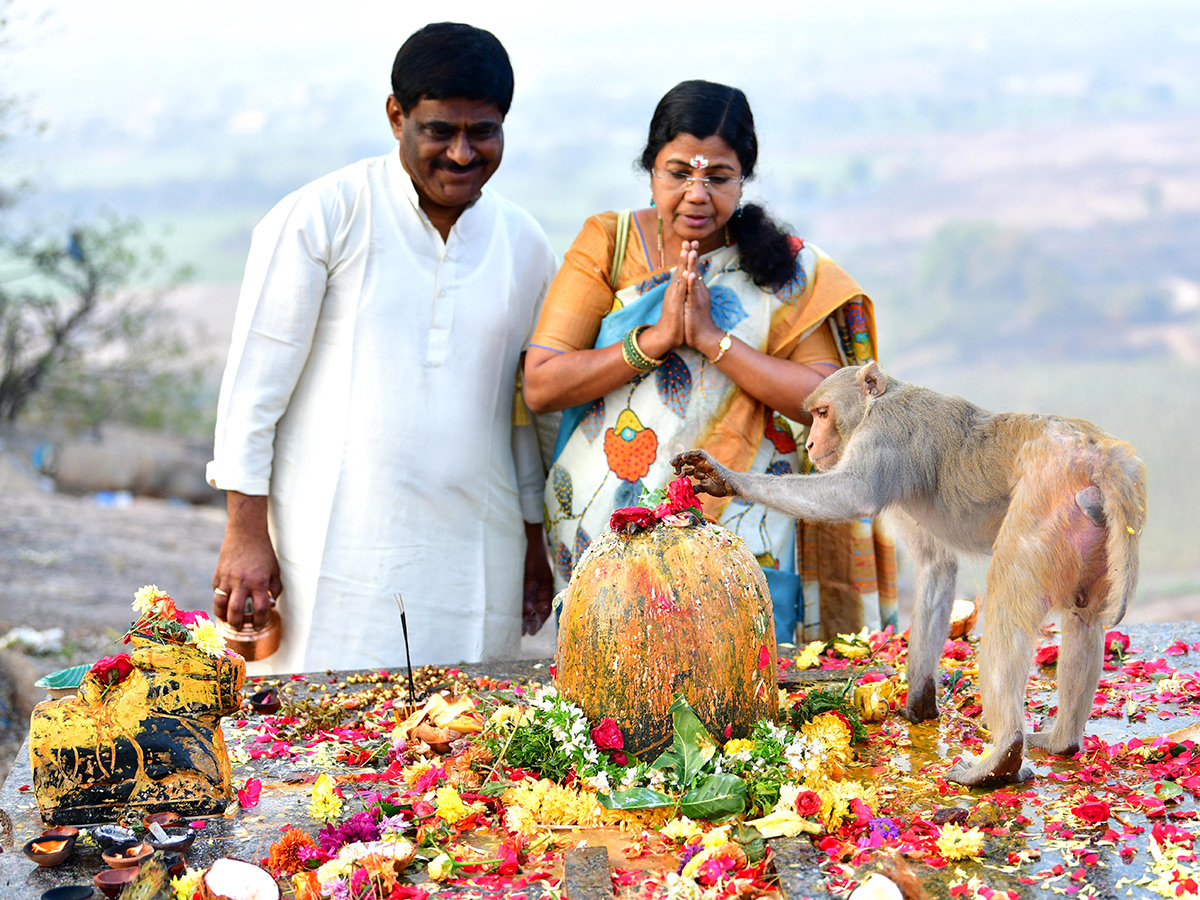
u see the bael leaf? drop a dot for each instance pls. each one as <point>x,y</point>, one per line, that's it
<point>693,746</point>
<point>635,798</point>
<point>714,797</point>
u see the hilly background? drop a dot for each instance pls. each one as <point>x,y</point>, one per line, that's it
<point>1017,185</point>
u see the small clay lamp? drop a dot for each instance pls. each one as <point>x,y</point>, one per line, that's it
<point>127,856</point>
<point>70,892</point>
<point>110,881</point>
<point>62,831</point>
<point>164,819</point>
<point>253,643</point>
<point>265,702</point>
<point>49,851</point>
<point>111,835</point>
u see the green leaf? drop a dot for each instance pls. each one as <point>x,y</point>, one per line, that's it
<point>494,788</point>
<point>714,797</point>
<point>635,798</point>
<point>693,746</point>
<point>1167,790</point>
<point>651,499</point>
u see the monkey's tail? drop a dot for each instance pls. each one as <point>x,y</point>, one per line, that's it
<point>1121,477</point>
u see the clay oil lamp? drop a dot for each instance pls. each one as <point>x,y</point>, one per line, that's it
<point>49,851</point>
<point>265,702</point>
<point>173,840</point>
<point>62,831</point>
<point>70,892</point>
<point>110,835</point>
<point>110,881</point>
<point>127,856</point>
<point>164,819</point>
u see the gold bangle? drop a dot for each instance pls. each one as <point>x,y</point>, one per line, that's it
<point>633,353</point>
<point>633,336</point>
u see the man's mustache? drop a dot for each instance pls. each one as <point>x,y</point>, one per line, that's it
<point>455,167</point>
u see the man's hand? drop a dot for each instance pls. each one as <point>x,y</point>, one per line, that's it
<point>246,567</point>
<point>539,581</point>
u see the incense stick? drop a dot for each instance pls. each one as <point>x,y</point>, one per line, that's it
<point>412,692</point>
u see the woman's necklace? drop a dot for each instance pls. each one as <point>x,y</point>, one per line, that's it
<point>660,250</point>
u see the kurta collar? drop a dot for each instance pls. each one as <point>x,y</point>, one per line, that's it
<point>465,224</point>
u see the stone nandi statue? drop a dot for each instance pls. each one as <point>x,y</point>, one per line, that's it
<point>144,731</point>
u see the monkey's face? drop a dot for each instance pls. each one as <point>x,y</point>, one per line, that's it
<point>824,440</point>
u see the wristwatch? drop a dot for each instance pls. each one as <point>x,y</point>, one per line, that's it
<point>726,343</point>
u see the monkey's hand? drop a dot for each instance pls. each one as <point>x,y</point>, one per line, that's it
<point>711,477</point>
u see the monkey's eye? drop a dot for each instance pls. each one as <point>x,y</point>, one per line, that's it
<point>821,412</point>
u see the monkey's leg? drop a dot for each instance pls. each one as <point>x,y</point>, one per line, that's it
<point>936,572</point>
<point>1004,659</point>
<point>1079,664</point>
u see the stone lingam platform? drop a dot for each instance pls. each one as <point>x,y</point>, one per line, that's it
<point>1039,839</point>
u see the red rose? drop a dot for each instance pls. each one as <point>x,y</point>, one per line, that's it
<point>1046,655</point>
<point>112,669</point>
<point>808,803</point>
<point>618,757</point>
<point>1095,811</point>
<point>1116,644</point>
<point>607,735</point>
<point>681,496</point>
<point>631,518</point>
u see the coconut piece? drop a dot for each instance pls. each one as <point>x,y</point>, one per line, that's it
<point>962,618</point>
<point>232,879</point>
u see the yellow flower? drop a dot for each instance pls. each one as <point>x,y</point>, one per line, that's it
<point>738,745</point>
<point>836,796</point>
<point>325,804</point>
<point>207,637</point>
<point>807,658</point>
<point>441,867</point>
<point>682,828</point>
<point>185,886</point>
<point>450,806</point>
<point>717,837</point>
<point>831,732</point>
<point>852,646</point>
<point>146,599</point>
<point>954,843</point>
<point>519,820</point>
<point>506,714</point>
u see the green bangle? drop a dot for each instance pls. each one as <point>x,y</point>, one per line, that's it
<point>633,353</point>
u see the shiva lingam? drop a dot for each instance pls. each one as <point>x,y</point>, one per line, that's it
<point>665,602</point>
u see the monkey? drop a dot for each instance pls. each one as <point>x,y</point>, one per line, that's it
<point>1057,502</point>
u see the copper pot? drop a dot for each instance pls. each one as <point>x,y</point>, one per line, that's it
<point>253,643</point>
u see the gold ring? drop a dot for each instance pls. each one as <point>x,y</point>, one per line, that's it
<point>220,592</point>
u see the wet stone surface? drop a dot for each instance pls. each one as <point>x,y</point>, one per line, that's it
<point>905,761</point>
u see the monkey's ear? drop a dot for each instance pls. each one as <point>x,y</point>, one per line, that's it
<point>872,380</point>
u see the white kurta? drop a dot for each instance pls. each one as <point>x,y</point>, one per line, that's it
<point>369,393</point>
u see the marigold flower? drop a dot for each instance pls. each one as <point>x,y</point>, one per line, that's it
<point>681,829</point>
<point>450,806</point>
<point>955,843</point>
<point>738,745</point>
<point>284,857</point>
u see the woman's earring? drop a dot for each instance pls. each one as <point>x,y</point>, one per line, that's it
<point>738,211</point>
<point>652,203</point>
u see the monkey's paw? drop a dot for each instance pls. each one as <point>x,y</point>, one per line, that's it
<point>999,767</point>
<point>706,471</point>
<point>1055,745</point>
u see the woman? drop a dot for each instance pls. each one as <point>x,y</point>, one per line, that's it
<point>719,328</point>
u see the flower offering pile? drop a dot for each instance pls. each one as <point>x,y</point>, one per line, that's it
<point>836,778</point>
<point>144,731</point>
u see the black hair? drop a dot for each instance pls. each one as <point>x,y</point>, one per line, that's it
<point>704,109</point>
<point>447,59</point>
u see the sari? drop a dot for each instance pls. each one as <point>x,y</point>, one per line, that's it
<point>610,450</point>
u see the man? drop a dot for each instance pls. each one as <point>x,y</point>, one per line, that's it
<point>365,433</point>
